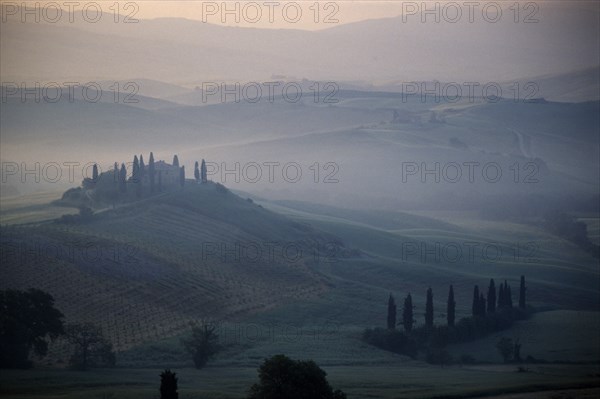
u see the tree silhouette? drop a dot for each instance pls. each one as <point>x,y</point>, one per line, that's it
<point>151,172</point>
<point>196,172</point>
<point>505,348</point>
<point>27,318</point>
<point>491,297</point>
<point>95,174</point>
<point>391,315</point>
<point>475,308</point>
<point>429,309</point>
<point>123,179</point>
<point>501,300</point>
<point>175,161</point>
<point>136,169</point>
<point>91,348</point>
<point>481,305</point>
<point>517,351</point>
<point>451,308</point>
<point>135,177</point>
<point>407,314</point>
<point>142,167</point>
<point>283,378</point>
<point>203,172</point>
<point>522,294</point>
<point>203,344</point>
<point>508,296</point>
<point>168,385</point>
<point>182,176</point>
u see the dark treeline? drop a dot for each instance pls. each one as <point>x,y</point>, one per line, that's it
<point>490,313</point>
<point>114,186</point>
<point>29,320</point>
<point>569,228</point>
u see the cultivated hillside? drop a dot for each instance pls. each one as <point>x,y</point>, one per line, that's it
<point>144,270</point>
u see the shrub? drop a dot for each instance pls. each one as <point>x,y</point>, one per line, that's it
<point>282,377</point>
<point>203,344</point>
<point>91,349</point>
<point>505,348</point>
<point>168,385</point>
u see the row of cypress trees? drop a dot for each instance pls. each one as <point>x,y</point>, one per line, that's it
<point>140,170</point>
<point>480,305</point>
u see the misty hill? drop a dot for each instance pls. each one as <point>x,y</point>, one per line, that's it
<point>189,52</point>
<point>146,269</point>
<point>542,148</point>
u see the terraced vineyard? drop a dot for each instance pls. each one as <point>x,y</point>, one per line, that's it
<point>145,271</point>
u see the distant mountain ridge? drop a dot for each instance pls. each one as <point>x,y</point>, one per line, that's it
<point>189,52</point>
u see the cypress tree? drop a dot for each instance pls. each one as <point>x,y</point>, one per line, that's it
<point>501,296</point>
<point>135,175</point>
<point>203,172</point>
<point>522,293</point>
<point>196,172</point>
<point>116,173</point>
<point>142,167</point>
<point>451,308</point>
<point>429,309</point>
<point>481,305</point>
<point>123,179</point>
<point>168,385</point>
<point>407,314</point>
<point>475,308</point>
<point>391,316</point>
<point>151,172</point>
<point>508,297</point>
<point>95,173</point>
<point>175,161</point>
<point>491,297</point>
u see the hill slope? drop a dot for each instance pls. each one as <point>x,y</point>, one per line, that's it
<point>145,270</point>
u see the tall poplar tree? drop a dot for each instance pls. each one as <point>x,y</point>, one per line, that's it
<point>391,313</point>
<point>429,309</point>
<point>407,314</point>
<point>451,308</point>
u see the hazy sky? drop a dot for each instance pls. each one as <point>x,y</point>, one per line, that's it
<point>300,14</point>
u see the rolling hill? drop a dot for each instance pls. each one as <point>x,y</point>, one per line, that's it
<point>187,52</point>
<point>366,140</point>
<point>144,270</point>
<point>147,269</point>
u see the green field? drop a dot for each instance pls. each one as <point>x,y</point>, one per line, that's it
<point>375,381</point>
<point>315,307</point>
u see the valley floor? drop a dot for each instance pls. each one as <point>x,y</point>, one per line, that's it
<point>403,380</point>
